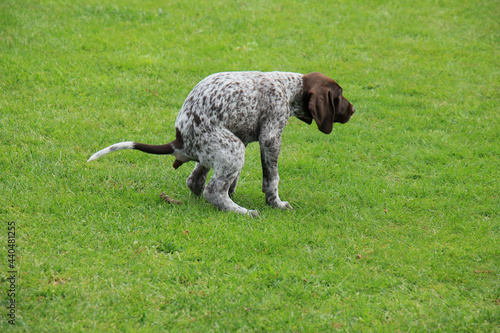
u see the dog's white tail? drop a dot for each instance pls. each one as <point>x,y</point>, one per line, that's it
<point>165,149</point>
<point>112,148</point>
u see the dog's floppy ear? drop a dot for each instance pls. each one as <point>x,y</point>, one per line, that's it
<point>322,109</point>
<point>324,96</point>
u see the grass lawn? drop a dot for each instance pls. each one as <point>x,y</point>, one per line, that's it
<point>396,223</point>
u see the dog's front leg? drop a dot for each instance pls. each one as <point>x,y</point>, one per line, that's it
<point>269,153</point>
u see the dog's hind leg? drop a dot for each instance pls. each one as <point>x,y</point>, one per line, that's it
<point>226,156</point>
<point>198,178</point>
<point>232,188</point>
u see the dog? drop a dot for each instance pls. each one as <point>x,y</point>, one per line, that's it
<point>227,111</point>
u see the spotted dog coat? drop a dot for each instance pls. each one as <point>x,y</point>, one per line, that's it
<point>227,111</point>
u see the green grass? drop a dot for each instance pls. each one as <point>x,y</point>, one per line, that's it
<point>396,223</point>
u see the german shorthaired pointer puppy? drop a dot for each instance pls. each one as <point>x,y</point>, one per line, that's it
<point>227,111</point>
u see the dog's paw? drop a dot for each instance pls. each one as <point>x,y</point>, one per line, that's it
<point>247,212</point>
<point>285,206</point>
<point>252,213</point>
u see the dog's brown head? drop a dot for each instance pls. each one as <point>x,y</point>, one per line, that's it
<point>322,97</point>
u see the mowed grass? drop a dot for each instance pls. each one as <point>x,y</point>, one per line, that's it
<point>396,223</point>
